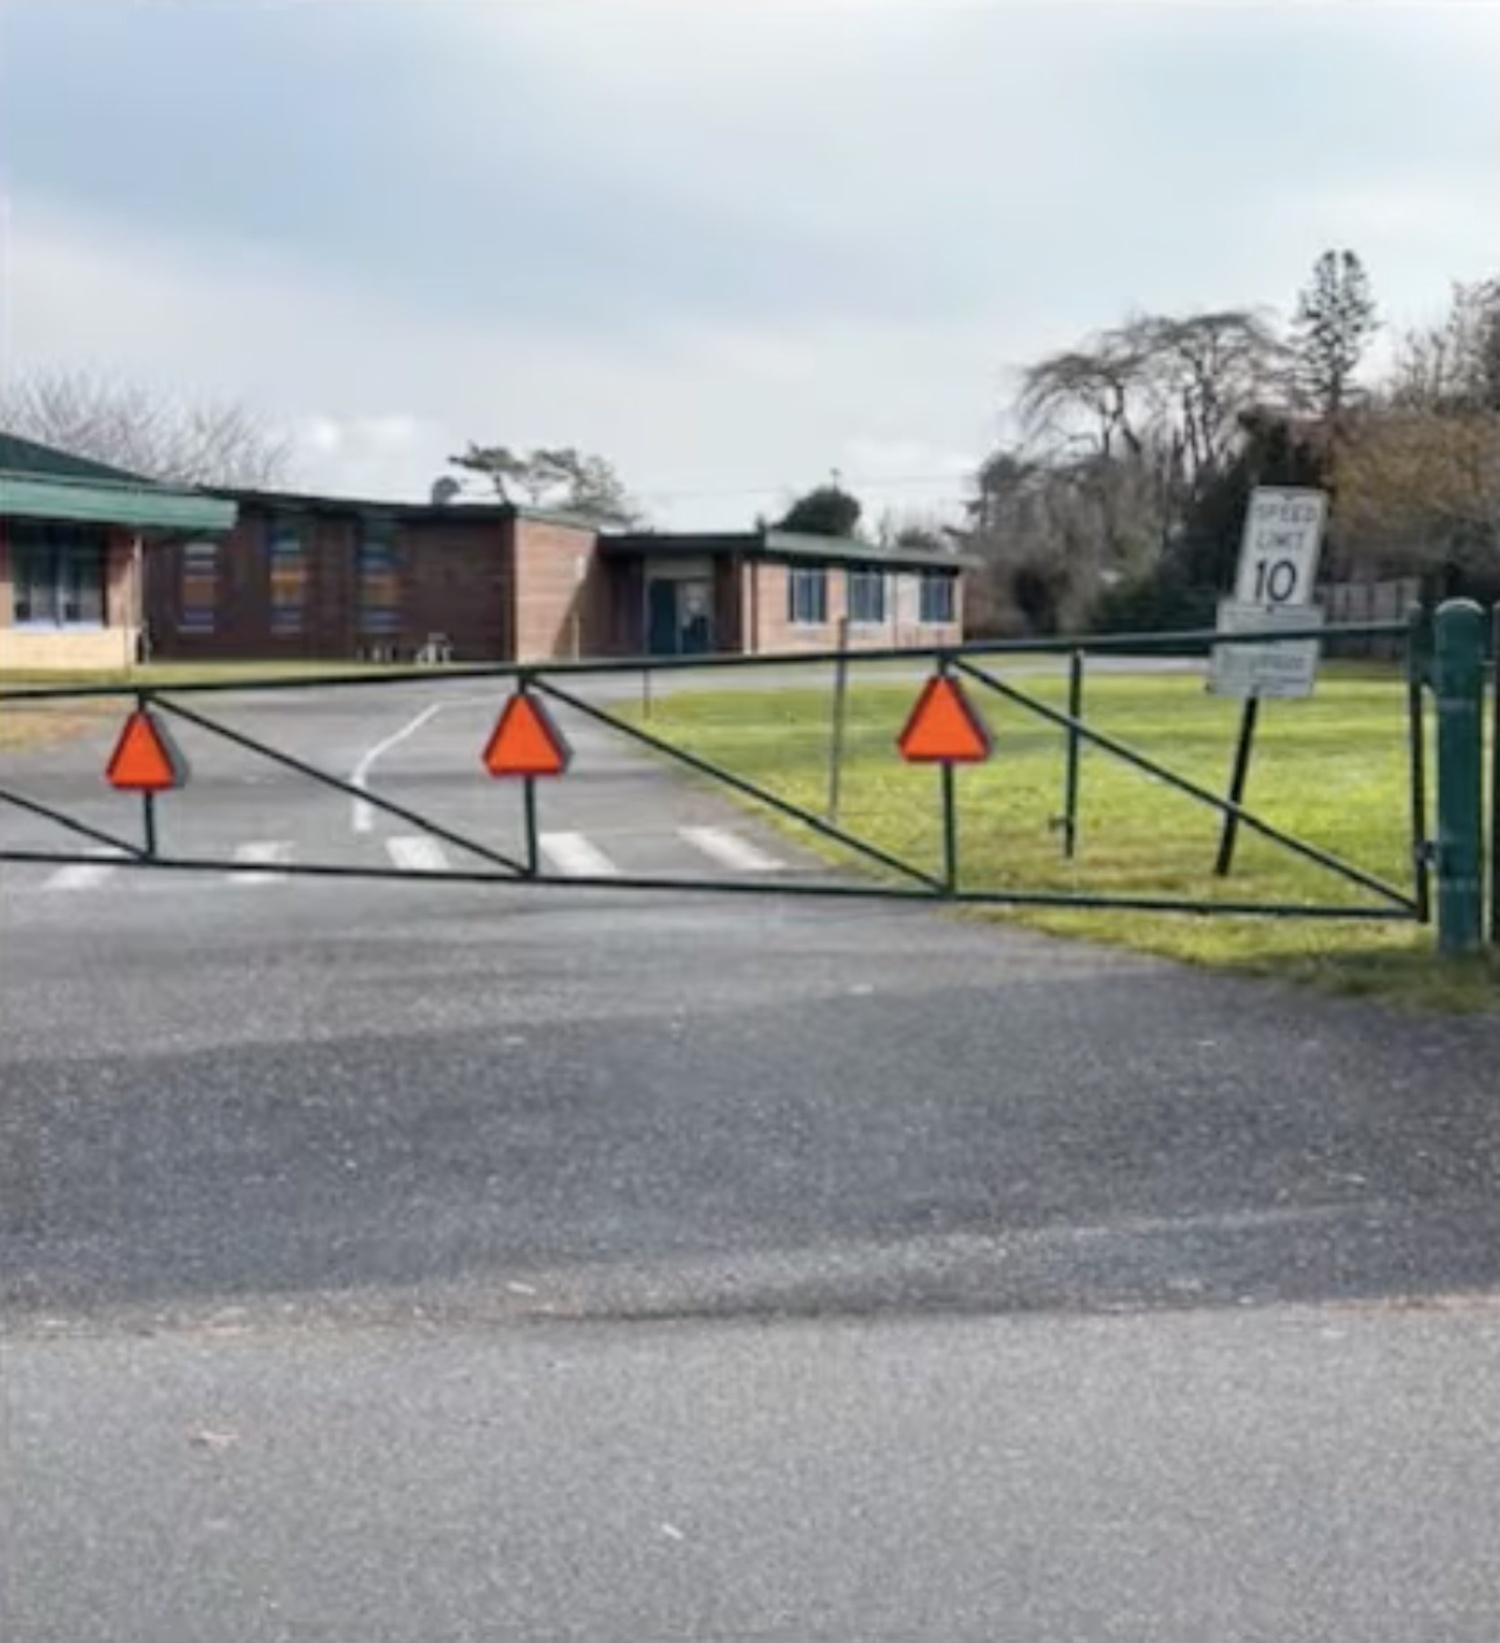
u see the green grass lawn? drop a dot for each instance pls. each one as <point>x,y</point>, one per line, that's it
<point>1332,770</point>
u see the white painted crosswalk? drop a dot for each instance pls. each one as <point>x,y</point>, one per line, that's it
<point>82,875</point>
<point>261,854</point>
<point>417,854</point>
<point>683,852</point>
<point>730,850</point>
<point>576,856</point>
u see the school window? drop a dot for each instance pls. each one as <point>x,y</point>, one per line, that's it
<point>379,578</point>
<point>58,573</point>
<point>200,587</point>
<point>288,571</point>
<point>867,597</point>
<point>935,597</point>
<point>807,597</point>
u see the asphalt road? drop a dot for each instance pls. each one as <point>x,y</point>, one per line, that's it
<point>410,1259</point>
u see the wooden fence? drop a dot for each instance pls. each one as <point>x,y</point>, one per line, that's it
<point>1390,601</point>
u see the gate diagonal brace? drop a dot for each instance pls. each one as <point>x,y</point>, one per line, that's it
<point>512,869</point>
<point>126,847</point>
<point>1121,750</point>
<point>705,767</point>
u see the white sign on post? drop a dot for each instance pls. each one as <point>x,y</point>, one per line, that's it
<point>1287,668</point>
<point>1278,569</point>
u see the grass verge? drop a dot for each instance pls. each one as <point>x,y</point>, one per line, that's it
<point>29,724</point>
<point>1332,771</point>
<point>25,729</point>
<point>163,675</point>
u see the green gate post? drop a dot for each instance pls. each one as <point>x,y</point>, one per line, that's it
<point>1458,681</point>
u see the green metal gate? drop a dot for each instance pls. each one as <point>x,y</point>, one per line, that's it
<point>1444,665</point>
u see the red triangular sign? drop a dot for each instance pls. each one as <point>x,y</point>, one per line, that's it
<point>943,728</point>
<point>526,742</point>
<point>146,759</point>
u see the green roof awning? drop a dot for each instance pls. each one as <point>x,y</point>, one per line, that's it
<point>139,506</point>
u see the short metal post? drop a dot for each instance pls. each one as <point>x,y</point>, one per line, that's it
<point>528,803</point>
<point>840,718</point>
<point>950,829</point>
<point>1458,679</point>
<point>1071,773</point>
<point>148,799</point>
<point>950,811</point>
<point>646,694</point>
<point>1238,780</point>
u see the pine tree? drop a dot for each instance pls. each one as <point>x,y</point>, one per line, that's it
<point>1336,319</point>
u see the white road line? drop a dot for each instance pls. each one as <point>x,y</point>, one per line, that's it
<point>261,853</point>
<point>416,854</point>
<point>576,857</point>
<point>82,875</point>
<point>363,818</point>
<point>730,850</point>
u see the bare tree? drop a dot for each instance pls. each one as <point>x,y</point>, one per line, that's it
<point>1455,364</point>
<point>1148,413</point>
<point>1085,395</point>
<point>1421,487</point>
<point>1419,477</point>
<point>1201,373</point>
<point>129,426</point>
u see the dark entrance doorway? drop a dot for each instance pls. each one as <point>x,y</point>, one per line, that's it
<point>679,617</point>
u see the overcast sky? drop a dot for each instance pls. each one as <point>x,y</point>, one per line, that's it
<point>730,243</point>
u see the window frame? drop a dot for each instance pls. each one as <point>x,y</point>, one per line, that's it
<point>61,549</point>
<point>865,579</point>
<point>945,583</point>
<point>807,592</point>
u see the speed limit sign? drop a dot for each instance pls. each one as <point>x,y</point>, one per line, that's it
<point>1278,570</point>
<point>1279,551</point>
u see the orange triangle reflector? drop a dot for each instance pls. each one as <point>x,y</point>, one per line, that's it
<point>526,742</point>
<point>943,728</point>
<point>146,759</point>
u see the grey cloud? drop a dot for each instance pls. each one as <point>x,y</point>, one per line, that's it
<point>621,167</point>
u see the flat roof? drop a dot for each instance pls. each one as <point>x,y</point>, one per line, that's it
<point>388,508</point>
<point>791,546</point>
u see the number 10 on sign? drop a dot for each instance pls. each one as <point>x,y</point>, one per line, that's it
<point>1282,541</point>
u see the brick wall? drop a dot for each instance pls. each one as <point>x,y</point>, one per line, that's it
<point>454,578</point>
<point>122,608</point>
<point>557,614</point>
<point>241,619</point>
<point>767,627</point>
<point>457,580</point>
<point>774,631</point>
<point>906,611</point>
<point>729,606</point>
